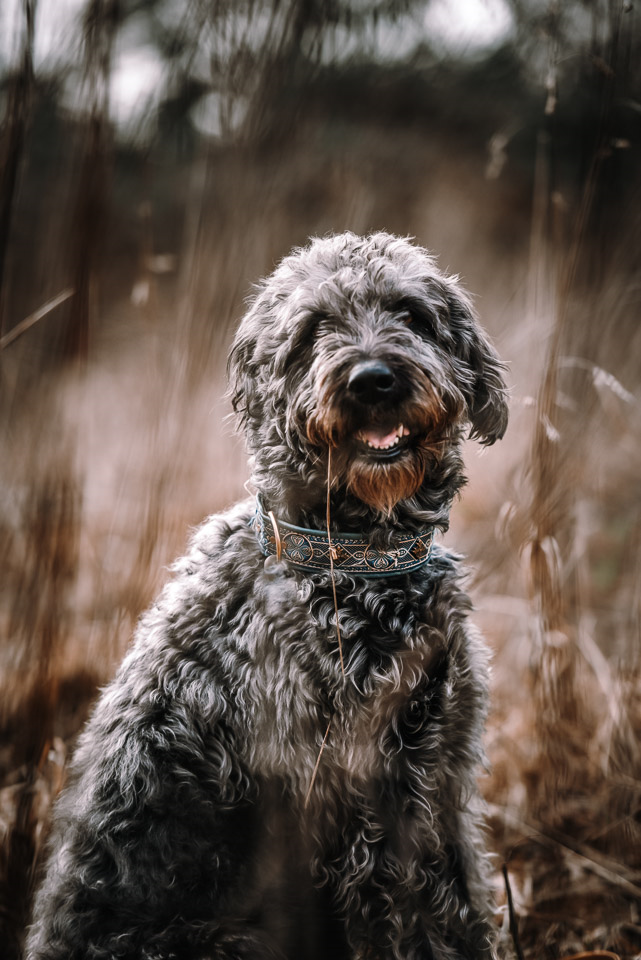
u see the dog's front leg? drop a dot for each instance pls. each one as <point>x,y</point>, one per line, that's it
<point>401,886</point>
<point>372,886</point>
<point>152,836</point>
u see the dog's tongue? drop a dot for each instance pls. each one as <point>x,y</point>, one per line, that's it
<point>378,439</point>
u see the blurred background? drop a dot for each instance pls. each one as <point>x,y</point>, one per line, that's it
<point>156,158</point>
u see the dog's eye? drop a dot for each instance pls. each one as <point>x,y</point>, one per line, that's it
<point>406,318</point>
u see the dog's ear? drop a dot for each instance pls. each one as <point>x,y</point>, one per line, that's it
<point>240,382</point>
<point>480,371</point>
<point>244,361</point>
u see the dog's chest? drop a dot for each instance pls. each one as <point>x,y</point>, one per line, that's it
<point>297,700</point>
<point>290,731</point>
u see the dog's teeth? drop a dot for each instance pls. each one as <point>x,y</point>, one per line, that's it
<point>379,446</point>
<point>374,440</point>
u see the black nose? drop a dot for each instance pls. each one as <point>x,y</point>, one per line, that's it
<point>371,381</point>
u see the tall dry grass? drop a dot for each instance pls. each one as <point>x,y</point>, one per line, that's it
<point>114,437</point>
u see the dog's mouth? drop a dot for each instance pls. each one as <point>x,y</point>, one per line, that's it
<point>380,443</point>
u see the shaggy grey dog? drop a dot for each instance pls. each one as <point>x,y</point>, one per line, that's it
<point>284,765</point>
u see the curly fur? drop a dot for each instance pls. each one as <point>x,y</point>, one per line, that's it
<point>183,831</point>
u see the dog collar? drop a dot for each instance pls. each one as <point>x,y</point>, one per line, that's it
<point>306,549</point>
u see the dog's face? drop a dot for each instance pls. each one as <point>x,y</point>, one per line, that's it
<point>362,347</point>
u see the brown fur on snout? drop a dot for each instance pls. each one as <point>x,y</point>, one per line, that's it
<point>430,417</point>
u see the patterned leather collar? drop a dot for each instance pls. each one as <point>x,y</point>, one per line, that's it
<point>306,549</point>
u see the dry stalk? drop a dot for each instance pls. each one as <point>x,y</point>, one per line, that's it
<point>563,717</point>
<point>36,629</point>
<point>20,94</point>
<point>101,21</point>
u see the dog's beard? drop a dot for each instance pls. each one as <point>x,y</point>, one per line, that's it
<point>383,483</point>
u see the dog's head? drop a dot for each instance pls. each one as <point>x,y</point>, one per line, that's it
<point>362,346</point>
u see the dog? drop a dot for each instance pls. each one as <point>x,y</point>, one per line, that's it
<point>284,765</point>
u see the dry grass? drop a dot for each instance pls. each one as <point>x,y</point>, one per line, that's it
<point>107,461</point>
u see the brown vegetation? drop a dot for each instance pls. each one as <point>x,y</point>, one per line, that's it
<point>114,438</point>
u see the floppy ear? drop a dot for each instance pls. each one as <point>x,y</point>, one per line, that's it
<point>240,382</point>
<point>271,342</point>
<point>247,356</point>
<point>480,370</point>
